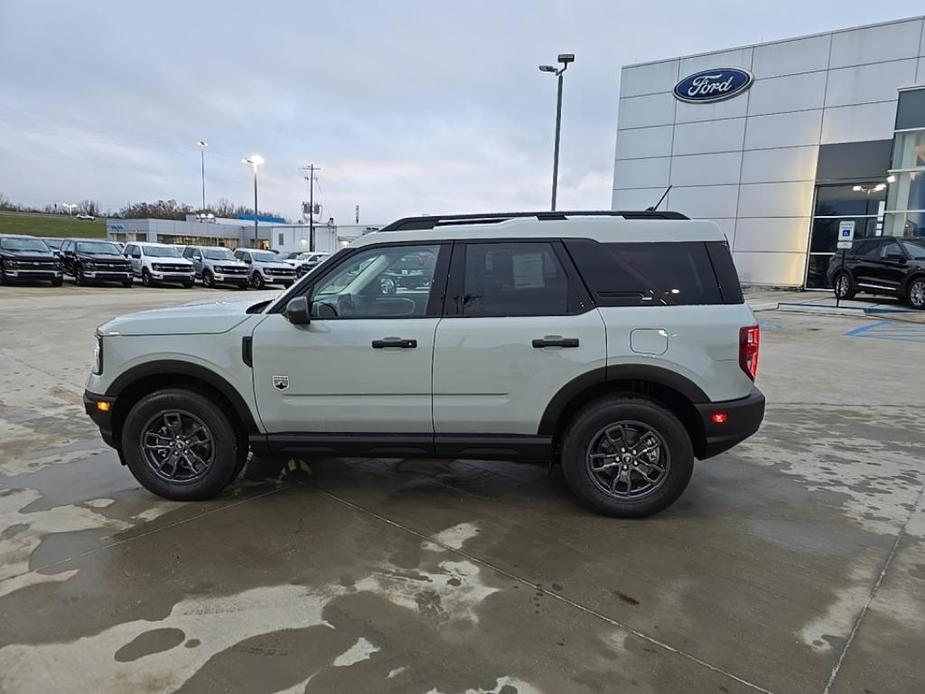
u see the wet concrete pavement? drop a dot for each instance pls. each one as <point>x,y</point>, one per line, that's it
<point>793,563</point>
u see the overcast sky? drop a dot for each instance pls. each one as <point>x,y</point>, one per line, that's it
<point>407,107</point>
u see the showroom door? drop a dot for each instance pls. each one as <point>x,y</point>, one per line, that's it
<point>513,335</point>
<point>364,362</point>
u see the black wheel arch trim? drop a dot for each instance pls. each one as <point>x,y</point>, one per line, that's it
<point>559,404</point>
<point>176,367</point>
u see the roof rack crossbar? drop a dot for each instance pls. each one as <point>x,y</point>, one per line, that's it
<point>431,221</point>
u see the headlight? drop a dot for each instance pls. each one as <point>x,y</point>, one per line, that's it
<point>11,263</point>
<point>89,264</point>
<point>98,356</point>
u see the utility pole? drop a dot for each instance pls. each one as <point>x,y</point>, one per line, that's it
<point>311,168</point>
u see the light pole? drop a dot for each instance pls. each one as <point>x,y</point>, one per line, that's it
<point>254,160</point>
<point>564,59</point>
<point>202,169</point>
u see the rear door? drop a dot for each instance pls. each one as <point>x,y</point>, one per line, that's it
<point>517,327</point>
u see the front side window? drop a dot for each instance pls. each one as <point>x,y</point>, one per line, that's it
<point>513,279</point>
<point>384,282</point>
<point>891,249</point>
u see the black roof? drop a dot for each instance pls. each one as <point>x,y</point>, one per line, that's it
<point>431,221</point>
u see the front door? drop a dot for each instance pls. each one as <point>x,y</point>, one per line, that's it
<point>364,362</point>
<point>517,329</point>
<point>890,269</point>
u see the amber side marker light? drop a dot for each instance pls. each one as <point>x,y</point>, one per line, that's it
<point>719,417</point>
<point>103,406</point>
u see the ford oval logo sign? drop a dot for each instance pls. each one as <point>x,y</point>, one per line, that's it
<point>713,85</point>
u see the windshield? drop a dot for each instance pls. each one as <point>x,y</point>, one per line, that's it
<point>161,251</point>
<point>915,249</point>
<point>98,248</point>
<point>218,254</point>
<point>54,243</point>
<point>265,257</point>
<point>24,245</point>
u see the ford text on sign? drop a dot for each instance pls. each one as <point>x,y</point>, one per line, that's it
<point>713,85</point>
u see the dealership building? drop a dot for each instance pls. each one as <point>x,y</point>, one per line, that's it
<point>780,142</point>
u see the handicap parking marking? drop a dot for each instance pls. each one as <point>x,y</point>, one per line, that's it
<point>890,330</point>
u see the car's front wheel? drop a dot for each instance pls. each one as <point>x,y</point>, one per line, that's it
<point>844,285</point>
<point>179,445</point>
<point>916,293</point>
<point>146,279</point>
<point>258,281</point>
<point>208,280</point>
<point>627,457</point>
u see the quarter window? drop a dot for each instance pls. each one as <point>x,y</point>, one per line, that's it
<point>512,279</point>
<point>382,282</point>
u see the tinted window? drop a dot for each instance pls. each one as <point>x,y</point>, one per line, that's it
<point>844,201</point>
<point>870,246</point>
<point>891,248</point>
<point>513,279</point>
<point>375,283</point>
<point>646,274</point>
<point>910,112</point>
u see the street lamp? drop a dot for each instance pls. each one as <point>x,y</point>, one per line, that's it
<point>254,160</point>
<point>564,59</point>
<point>202,144</point>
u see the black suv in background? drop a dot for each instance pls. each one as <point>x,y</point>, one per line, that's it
<point>883,265</point>
<point>92,260</point>
<point>28,258</point>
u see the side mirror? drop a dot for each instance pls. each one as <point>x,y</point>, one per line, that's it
<point>897,257</point>
<point>297,311</point>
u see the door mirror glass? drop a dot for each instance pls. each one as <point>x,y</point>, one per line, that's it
<point>297,311</point>
<point>136,254</point>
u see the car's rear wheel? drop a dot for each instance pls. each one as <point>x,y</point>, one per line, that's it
<point>189,285</point>
<point>179,445</point>
<point>57,281</point>
<point>916,293</point>
<point>627,457</point>
<point>128,283</point>
<point>844,285</point>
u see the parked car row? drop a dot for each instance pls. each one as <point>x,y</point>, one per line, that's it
<point>91,261</point>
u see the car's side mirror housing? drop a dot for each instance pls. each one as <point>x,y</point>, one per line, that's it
<point>897,257</point>
<point>297,311</point>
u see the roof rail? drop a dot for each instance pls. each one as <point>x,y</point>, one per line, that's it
<point>431,221</point>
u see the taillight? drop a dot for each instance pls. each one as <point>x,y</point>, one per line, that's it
<point>749,342</point>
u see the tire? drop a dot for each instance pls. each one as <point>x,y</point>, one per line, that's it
<point>128,284</point>
<point>3,279</point>
<point>257,281</point>
<point>843,285</point>
<point>287,284</point>
<point>196,417</point>
<point>146,278</point>
<point>915,294</point>
<point>79,279</point>
<point>596,430</point>
<point>188,285</point>
<point>208,280</point>
<point>57,282</point>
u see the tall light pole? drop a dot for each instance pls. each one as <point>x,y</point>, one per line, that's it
<point>564,59</point>
<point>254,160</point>
<point>202,144</point>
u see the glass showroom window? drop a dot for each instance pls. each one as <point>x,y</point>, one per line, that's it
<point>862,203</point>
<point>906,203</point>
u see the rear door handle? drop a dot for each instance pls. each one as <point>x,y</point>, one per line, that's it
<point>394,342</point>
<point>555,341</point>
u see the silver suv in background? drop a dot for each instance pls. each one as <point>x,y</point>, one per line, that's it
<point>157,263</point>
<point>216,265</point>
<point>265,267</point>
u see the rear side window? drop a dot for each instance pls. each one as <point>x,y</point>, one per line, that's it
<point>513,279</point>
<point>650,274</point>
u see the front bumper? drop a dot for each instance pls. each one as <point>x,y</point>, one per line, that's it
<point>173,276</point>
<point>30,274</point>
<point>113,275</point>
<point>231,279</point>
<point>102,419</point>
<point>743,417</point>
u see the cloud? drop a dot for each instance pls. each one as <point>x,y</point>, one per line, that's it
<point>407,107</point>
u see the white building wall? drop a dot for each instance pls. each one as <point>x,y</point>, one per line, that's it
<point>750,162</point>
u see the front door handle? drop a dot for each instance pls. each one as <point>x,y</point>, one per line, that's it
<point>394,342</point>
<point>555,341</point>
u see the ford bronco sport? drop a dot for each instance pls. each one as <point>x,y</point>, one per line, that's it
<point>614,343</point>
